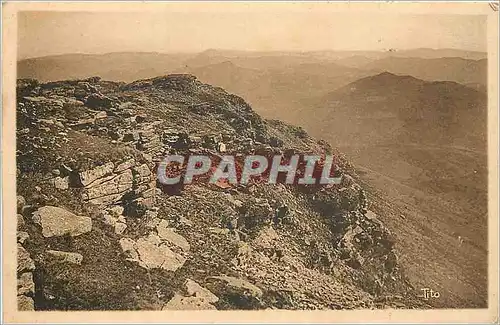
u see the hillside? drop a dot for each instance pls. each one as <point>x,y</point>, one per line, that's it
<point>97,232</point>
<point>391,108</point>
<point>422,146</point>
<point>125,66</point>
<point>455,69</point>
<point>270,86</point>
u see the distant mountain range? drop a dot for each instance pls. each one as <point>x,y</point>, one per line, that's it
<point>442,91</point>
<point>129,66</point>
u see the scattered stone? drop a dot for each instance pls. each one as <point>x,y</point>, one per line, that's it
<point>125,165</point>
<point>116,210</point>
<point>154,255</point>
<point>56,172</point>
<point>101,115</point>
<point>130,136</point>
<point>24,261</point>
<point>244,250</point>
<point>89,176</point>
<point>21,202</point>
<point>20,221</point>
<point>185,221</point>
<point>142,171</point>
<point>22,236</point>
<point>59,222</point>
<point>66,168</point>
<point>97,100</point>
<point>179,302</point>
<point>237,203</point>
<point>347,180</point>
<point>140,118</point>
<point>194,289</point>
<point>162,226</point>
<point>109,219</point>
<point>391,261</point>
<point>25,284</point>
<point>266,238</point>
<point>240,284</point>
<point>46,121</point>
<point>147,157</point>
<point>66,257</point>
<point>120,228</point>
<point>171,236</point>
<point>221,147</point>
<point>109,187</point>
<point>152,221</point>
<point>219,231</point>
<point>25,303</point>
<point>128,247</point>
<point>61,183</point>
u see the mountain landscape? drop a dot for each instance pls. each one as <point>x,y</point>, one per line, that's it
<point>97,231</point>
<point>409,127</point>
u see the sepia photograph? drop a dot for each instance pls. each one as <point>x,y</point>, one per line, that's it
<point>247,156</point>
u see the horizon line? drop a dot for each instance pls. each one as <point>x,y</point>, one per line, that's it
<point>253,51</point>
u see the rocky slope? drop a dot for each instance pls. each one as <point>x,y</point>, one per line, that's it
<point>97,232</point>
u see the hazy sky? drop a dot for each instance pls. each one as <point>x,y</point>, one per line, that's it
<point>48,33</point>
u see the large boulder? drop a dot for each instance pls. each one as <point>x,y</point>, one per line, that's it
<point>150,253</point>
<point>59,222</point>
<point>153,255</point>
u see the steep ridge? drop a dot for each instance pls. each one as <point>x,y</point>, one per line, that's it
<point>96,230</point>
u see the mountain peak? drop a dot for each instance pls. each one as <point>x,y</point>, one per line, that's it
<point>386,74</point>
<point>386,79</point>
